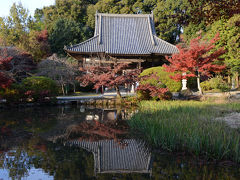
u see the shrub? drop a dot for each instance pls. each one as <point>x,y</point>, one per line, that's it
<point>216,83</point>
<point>163,77</point>
<point>40,85</point>
<point>31,89</point>
<point>11,95</point>
<point>151,88</point>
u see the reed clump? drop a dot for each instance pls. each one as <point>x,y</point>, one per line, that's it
<point>189,126</point>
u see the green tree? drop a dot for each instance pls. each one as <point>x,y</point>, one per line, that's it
<point>210,11</point>
<point>19,29</point>
<point>38,16</point>
<point>15,27</point>
<point>65,22</point>
<point>233,43</point>
<point>38,44</point>
<point>170,18</point>
<point>65,32</point>
<point>193,30</point>
<point>229,33</point>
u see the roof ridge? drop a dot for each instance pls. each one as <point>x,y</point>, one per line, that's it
<point>124,15</point>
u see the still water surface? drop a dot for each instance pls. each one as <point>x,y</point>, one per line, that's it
<point>77,142</point>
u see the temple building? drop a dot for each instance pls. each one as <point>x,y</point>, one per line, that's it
<point>127,38</point>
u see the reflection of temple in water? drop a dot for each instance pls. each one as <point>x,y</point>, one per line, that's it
<point>104,133</point>
<point>113,150</point>
<point>110,157</point>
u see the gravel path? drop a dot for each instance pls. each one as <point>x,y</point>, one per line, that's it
<point>232,119</point>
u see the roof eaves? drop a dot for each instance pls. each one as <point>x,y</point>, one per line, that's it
<point>167,43</point>
<point>119,54</point>
<point>69,47</point>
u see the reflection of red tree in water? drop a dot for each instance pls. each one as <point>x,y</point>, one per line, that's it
<point>95,131</point>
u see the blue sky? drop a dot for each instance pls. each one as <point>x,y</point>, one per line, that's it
<point>31,5</point>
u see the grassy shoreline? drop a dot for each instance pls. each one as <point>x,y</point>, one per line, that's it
<point>189,126</point>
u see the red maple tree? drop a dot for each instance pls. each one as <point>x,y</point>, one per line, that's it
<point>196,60</point>
<point>110,76</point>
<point>5,79</point>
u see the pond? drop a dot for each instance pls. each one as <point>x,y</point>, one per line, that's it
<point>77,142</point>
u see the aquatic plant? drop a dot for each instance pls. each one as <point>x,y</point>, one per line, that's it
<point>188,126</point>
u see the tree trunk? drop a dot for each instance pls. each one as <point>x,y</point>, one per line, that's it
<point>74,88</point>
<point>229,79</point>
<point>233,82</point>
<point>102,90</point>
<point>118,115</point>
<point>66,89</point>
<point>63,92</point>
<point>237,80</point>
<point>118,92</point>
<point>198,84</point>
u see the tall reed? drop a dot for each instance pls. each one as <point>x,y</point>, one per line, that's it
<point>188,126</point>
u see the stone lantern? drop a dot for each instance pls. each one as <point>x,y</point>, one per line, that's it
<point>184,82</point>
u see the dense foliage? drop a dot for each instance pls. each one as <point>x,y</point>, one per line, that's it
<point>163,76</point>
<point>18,29</point>
<point>229,33</point>
<point>209,11</point>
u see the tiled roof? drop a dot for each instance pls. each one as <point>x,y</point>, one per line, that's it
<point>130,34</point>
<point>111,157</point>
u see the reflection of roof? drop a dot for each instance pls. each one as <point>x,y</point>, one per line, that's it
<point>109,157</point>
<point>128,34</point>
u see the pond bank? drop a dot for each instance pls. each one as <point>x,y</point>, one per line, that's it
<point>91,99</point>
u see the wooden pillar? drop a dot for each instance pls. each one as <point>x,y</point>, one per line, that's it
<point>80,63</point>
<point>84,62</point>
<point>139,65</point>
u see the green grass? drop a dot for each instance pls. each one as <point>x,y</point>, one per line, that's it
<point>188,126</point>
